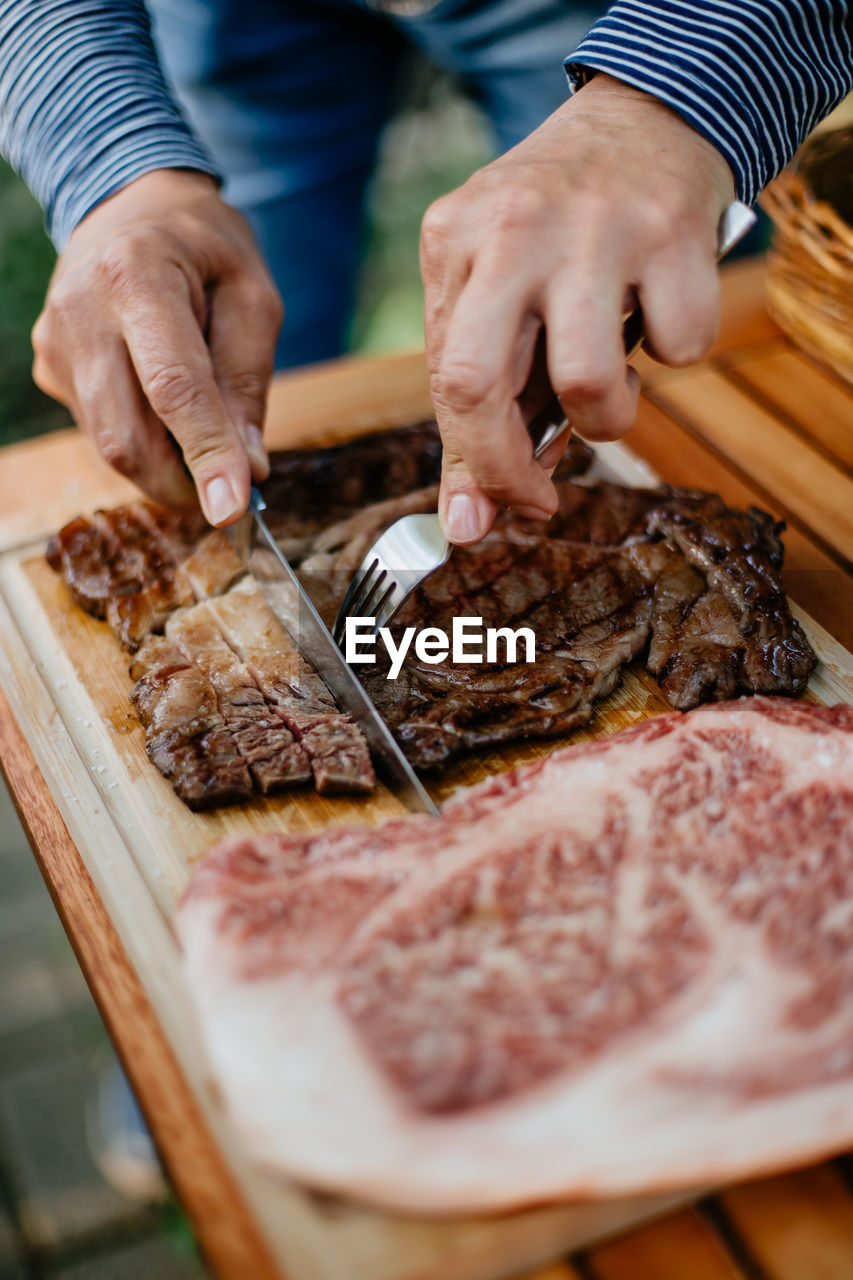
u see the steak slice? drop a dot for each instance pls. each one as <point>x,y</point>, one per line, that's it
<point>186,736</point>
<point>274,758</point>
<point>213,727</point>
<point>134,565</point>
<point>626,967</point>
<point>618,572</point>
<point>336,748</point>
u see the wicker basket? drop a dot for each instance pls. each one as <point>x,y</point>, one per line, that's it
<point>810,263</point>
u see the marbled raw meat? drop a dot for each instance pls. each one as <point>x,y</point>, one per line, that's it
<point>628,966</point>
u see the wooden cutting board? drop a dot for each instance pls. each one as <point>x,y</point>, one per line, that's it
<point>140,841</point>
<point>66,683</point>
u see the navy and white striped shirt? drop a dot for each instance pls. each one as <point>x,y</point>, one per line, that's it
<point>84,107</point>
<point>752,76</point>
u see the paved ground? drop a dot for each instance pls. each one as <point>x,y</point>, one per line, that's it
<point>59,1220</point>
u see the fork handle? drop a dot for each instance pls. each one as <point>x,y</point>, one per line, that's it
<point>551,421</point>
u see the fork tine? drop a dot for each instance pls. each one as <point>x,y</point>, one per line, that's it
<point>406,553</point>
<point>366,567</point>
<point>357,591</point>
<point>390,604</point>
<point>381,603</point>
<point>362,605</point>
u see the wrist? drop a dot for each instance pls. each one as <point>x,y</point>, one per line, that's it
<point>152,193</point>
<point>604,94</point>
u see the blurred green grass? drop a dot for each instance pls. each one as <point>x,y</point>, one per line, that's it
<point>435,143</point>
<point>26,261</point>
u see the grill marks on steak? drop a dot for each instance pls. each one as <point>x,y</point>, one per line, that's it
<point>736,633</point>
<point>309,490</point>
<point>229,706</point>
<point>335,747</point>
<point>216,727</point>
<point>186,736</point>
<point>618,571</point>
<point>625,966</point>
<point>274,758</point>
<point>136,564</point>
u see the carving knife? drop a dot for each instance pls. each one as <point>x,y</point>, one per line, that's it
<point>292,605</point>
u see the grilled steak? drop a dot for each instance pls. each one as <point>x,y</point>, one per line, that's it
<point>136,564</point>
<point>335,747</point>
<point>273,756</point>
<point>310,490</point>
<point>627,966</point>
<point>218,728</point>
<point>617,573</point>
<point>186,736</point>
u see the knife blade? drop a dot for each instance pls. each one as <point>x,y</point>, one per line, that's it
<point>291,604</point>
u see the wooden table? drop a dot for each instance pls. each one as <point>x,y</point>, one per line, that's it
<point>756,421</point>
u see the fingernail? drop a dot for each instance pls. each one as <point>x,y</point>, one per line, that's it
<point>257,452</point>
<point>220,500</point>
<point>462,522</point>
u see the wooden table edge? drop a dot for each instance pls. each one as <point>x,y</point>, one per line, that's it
<point>231,1243</point>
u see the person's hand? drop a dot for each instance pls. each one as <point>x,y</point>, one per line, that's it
<point>528,270</point>
<point>158,332</point>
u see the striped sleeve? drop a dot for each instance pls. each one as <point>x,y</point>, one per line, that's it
<point>752,76</point>
<point>84,107</point>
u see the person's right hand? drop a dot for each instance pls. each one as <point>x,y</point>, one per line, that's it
<point>158,332</point>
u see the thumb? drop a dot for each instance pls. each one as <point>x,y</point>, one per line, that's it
<point>465,511</point>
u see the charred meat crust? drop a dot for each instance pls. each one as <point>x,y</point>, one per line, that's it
<point>674,575</point>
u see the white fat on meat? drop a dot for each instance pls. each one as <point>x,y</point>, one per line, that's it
<point>626,967</point>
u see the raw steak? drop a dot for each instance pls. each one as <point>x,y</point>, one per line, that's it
<point>627,966</point>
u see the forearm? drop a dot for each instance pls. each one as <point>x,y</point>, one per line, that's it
<point>752,76</point>
<point>84,108</point>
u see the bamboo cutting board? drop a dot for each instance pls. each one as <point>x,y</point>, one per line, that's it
<point>66,681</point>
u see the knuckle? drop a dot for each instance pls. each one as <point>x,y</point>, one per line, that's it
<point>461,387</point>
<point>127,259</point>
<point>437,229</point>
<point>61,306</point>
<point>174,390</point>
<point>248,384</point>
<point>518,208</point>
<point>40,335</point>
<point>210,455</point>
<point>269,306</point>
<point>582,387</point>
<point>659,223</point>
<point>118,453</point>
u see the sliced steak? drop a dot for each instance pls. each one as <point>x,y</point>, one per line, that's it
<point>186,736</point>
<point>206,568</point>
<point>133,565</point>
<point>617,573</point>
<point>275,759</point>
<point>340,760</point>
<point>628,966</point>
